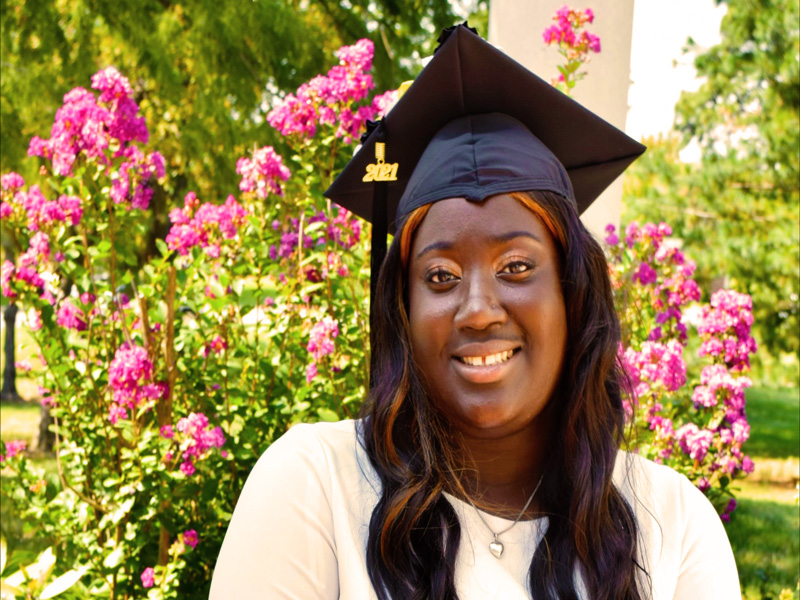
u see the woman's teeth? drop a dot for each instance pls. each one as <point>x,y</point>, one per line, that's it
<point>492,359</point>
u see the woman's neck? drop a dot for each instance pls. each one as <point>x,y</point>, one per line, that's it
<point>504,472</point>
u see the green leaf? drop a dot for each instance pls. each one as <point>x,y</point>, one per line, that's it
<point>327,414</point>
<point>114,558</point>
<point>63,583</point>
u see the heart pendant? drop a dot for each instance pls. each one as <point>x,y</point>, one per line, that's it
<point>496,548</point>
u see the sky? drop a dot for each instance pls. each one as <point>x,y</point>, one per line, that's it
<point>660,30</point>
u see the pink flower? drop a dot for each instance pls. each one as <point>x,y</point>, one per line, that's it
<point>311,371</point>
<point>329,98</point>
<point>116,412</point>
<point>592,41</point>
<point>216,345</point>
<point>694,441</point>
<point>321,339</point>
<point>725,329</point>
<point>656,364</point>
<point>130,378</point>
<point>263,172</point>
<point>190,538</point>
<point>112,85</point>
<point>197,439</point>
<point>747,465</point>
<point>167,432</point>
<point>148,577</point>
<point>726,514</point>
<point>13,448</point>
<point>612,239</point>
<point>70,317</point>
<point>645,274</point>
<point>358,56</point>
<point>383,103</point>
<point>207,225</point>
<point>6,275</point>
<point>11,181</point>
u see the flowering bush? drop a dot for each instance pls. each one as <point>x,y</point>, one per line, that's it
<point>574,43</point>
<point>691,419</point>
<point>168,376</point>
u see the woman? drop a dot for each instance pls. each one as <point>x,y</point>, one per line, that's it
<point>486,464</point>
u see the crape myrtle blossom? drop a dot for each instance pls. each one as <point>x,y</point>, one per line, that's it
<point>697,426</point>
<point>23,279</point>
<point>664,271</point>
<point>103,129</point>
<point>262,173</point>
<point>718,385</point>
<point>70,316</point>
<point>205,225</point>
<point>82,125</point>
<point>11,182</point>
<point>196,439</point>
<point>133,183</point>
<point>215,346</point>
<point>13,448</point>
<point>190,538</point>
<point>694,441</point>
<point>655,364</point>
<point>331,100</point>
<point>573,42</point>
<point>567,30</point>
<point>37,212</point>
<point>148,577</point>
<point>321,343</point>
<point>130,378</point>
<point>725,329</point>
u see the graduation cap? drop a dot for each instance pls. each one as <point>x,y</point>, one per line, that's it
<point>475,123</point>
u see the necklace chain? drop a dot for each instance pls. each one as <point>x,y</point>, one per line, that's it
<point>496,547</point>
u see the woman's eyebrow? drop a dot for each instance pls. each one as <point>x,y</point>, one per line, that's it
<point>498,239</point>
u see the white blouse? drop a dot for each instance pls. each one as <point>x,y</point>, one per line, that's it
<point>300,529</point>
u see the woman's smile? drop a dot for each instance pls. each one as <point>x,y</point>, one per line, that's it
<point>488,325</point>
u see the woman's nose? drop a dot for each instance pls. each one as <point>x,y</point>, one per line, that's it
<point>481,306</point>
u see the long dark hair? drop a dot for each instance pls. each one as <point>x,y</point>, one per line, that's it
<point>414,533</point>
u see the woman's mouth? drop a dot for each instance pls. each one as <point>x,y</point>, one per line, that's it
<point>485,368</point>
<point>487,360</point>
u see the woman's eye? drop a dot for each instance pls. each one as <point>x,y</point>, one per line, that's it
<point>517,267</point>
<point>440,276</point>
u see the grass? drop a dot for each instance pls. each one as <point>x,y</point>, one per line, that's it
<point>774,417</point>
<point>764,536</point>
<point>19,421</point>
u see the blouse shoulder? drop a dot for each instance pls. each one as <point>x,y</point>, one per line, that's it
<point>281,540</point>
<point>681,534</point>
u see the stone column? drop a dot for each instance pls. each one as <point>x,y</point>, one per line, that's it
<point>516,26</point>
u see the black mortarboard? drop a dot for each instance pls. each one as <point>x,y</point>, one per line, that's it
<point>468,77</point>
<point>476,123</point>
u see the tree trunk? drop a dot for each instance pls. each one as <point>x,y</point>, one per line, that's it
<point>45,439</point>
<point>9,391</point>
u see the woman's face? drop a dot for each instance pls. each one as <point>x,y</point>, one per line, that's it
<point>488,324</point>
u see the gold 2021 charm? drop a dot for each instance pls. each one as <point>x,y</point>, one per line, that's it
<point>382,171</point>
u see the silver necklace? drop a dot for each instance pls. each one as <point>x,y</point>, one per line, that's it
<point>496,546</point>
